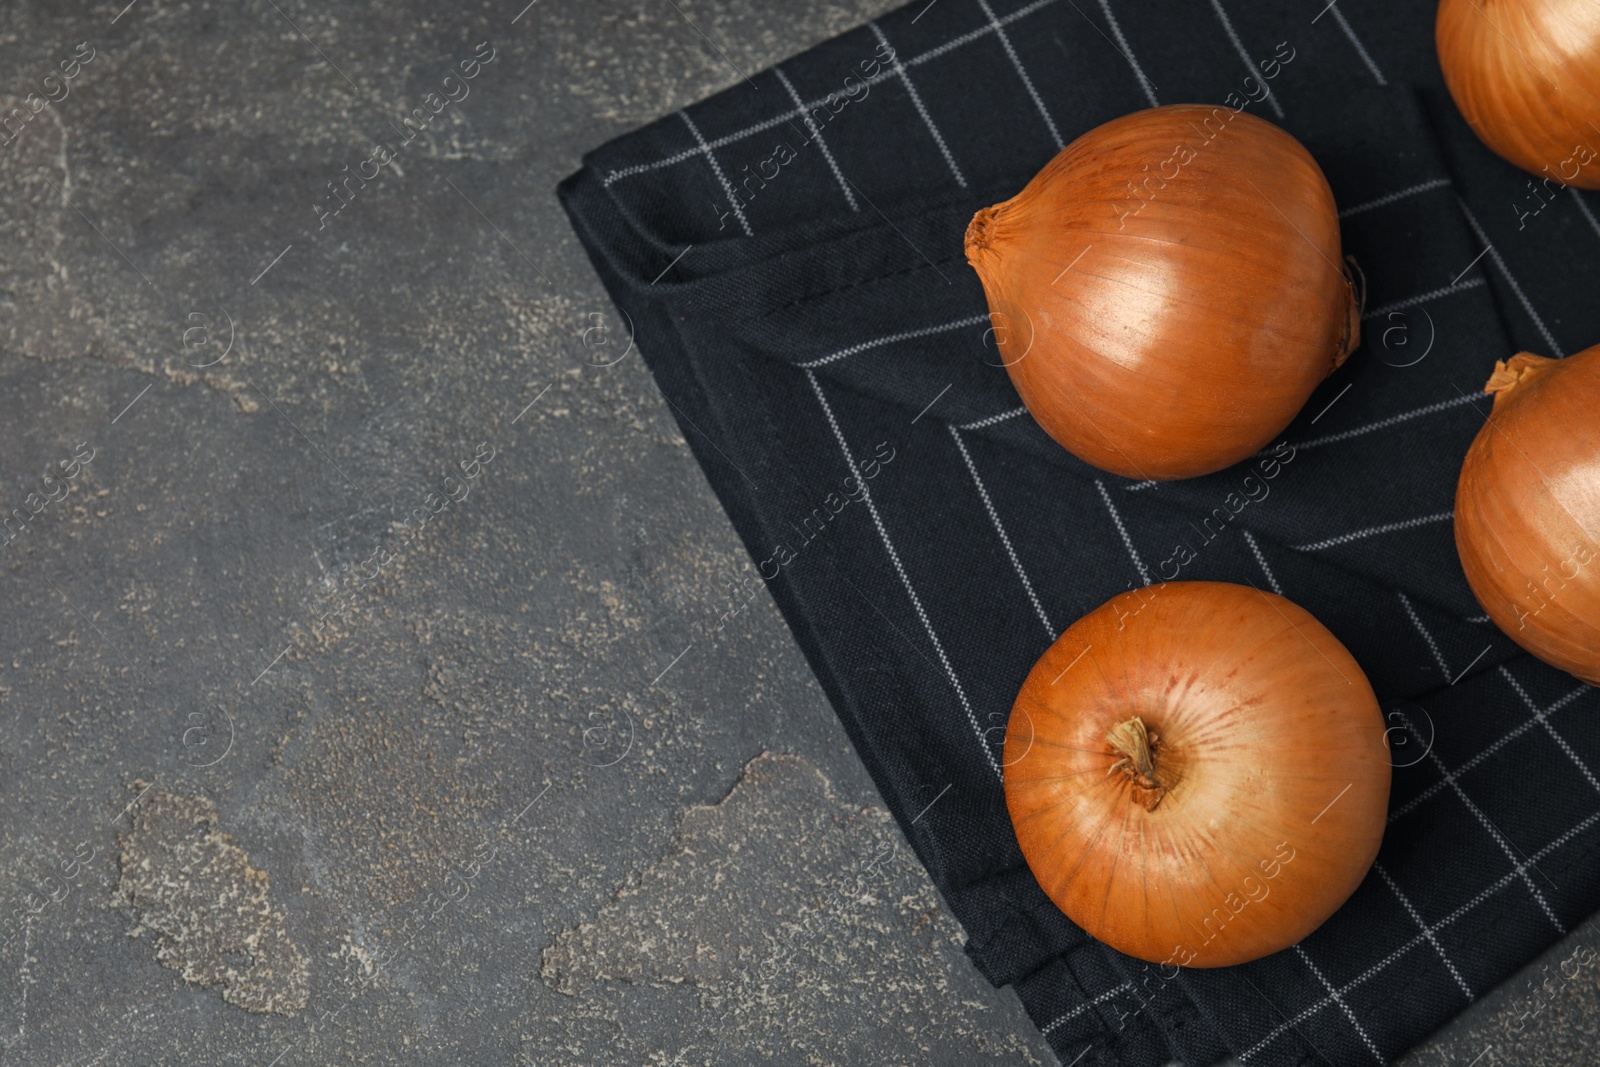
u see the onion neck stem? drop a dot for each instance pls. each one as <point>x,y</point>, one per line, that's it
<point>1136,746</point>
<point>1510,373</point>
<point>982,233</point>
<point>1355,280</point>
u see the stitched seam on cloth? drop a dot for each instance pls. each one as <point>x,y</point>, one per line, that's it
<point>1365,1037</point>
<point>1000,529</point>
<point>816,135</point>
<point>905,335</point>
<point>1436,183</point>
<point>894,557</point>
<point>1038,102</point>
<point>1127,52</point>
<point>922,109</point>
<point>727,187</point>
<point>1383,964</point>
<point>977,34</point>
<point>1085,1006</point>
<point>855,284</point>
<point>672,160</point>
<point>1505,272</point>
<point>1416,917</point>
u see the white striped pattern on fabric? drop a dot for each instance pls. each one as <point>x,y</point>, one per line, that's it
<point>905,335</point>
<point>1022,72</point>
<point>1384,424</point>
<point>905,580</point>
<point>1361,49</point>
<point>716,168</point>
<point>1373,531</point>
<point>1382,201</point>
<point>999,528</point>
<point>1505,272</point>
<point>1416,917</point>
<point>882,76</point>
<point>922,109</point>
<point>1127,52</point>
<point>1423,298</point>
<point>816,135</point>
<point>1249,64</point>
<point>1384,964</point>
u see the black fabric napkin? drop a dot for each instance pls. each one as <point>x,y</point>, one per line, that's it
<point>789,253</point>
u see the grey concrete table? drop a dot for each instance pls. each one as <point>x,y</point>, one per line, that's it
<point>368,688</point>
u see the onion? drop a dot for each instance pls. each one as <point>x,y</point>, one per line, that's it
<point>1167,291</point>
<point>1526,75</point>
<point>1197,773</point>
<point>1528,508</point>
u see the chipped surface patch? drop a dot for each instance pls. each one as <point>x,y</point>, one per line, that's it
<point>782,924</point>
<point>209,909</point>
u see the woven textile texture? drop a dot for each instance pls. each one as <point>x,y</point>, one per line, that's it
<point>788,255</point>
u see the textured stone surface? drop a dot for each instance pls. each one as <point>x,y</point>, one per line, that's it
<point>445,736</point>
<point>783,924</point>
<point>209,911</point>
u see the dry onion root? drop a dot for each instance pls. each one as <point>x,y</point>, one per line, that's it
<point>1197,773</point>
<point>1526,76</point>
<point>1528,508</point>
<point>1169,289</point>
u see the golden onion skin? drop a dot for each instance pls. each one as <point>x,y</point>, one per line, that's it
<point>1269,749</point>
<point>1169,289</point>
<point>1526,76</point>
<point>1527,519</point>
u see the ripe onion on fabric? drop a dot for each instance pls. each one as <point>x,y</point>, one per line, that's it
<point>1169,289</point>
<point>1198,773</point>
<point>1528,508</point>
<point>1526,76</point>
